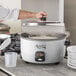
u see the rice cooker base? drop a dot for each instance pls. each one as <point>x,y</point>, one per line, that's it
<point>42,52</point>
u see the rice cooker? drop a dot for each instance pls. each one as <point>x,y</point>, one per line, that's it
<point>43,49</point>
<point>42,41</point>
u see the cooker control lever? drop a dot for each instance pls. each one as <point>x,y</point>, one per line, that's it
<point>39,56</point>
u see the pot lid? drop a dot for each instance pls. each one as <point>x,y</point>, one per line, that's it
<point>4,27</point>
<point>37,23</point>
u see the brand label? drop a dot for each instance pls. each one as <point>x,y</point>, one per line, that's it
<point>41,46</point>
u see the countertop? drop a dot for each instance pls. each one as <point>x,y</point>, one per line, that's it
<point>24,69</point>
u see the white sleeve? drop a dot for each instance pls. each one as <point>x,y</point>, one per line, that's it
<point>6,14</point>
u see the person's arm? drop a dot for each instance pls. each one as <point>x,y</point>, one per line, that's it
<point>8,14</point>
<point>15,14</point>
<point>26,14</point>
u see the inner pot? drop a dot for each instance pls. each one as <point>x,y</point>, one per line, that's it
<point>52,36</point>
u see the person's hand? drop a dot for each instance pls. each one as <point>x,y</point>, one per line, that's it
<point>41,14</point>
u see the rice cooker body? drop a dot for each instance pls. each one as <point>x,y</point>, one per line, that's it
<point>42,51</point>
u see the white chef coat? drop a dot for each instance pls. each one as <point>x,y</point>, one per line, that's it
<point>7,14</point>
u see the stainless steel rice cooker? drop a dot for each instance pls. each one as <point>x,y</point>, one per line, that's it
<point>43,49</point>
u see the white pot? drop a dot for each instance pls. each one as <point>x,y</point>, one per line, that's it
<point>71,62</point>
<point>42,51</point>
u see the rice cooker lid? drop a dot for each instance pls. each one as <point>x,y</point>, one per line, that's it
<point>53,36</point>
<point>38,23</point>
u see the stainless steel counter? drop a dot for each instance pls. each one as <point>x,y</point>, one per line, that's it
<point>24,69</point>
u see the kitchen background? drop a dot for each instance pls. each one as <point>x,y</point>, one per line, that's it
<point>70,16</point>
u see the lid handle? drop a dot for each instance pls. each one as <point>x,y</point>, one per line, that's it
<point>43,18</point>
